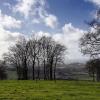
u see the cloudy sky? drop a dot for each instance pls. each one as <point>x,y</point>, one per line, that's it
<point>64,20</point>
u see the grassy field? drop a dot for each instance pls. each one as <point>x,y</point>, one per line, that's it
<point>49,90</point>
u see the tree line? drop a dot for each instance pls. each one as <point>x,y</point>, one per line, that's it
<point>35,53</point>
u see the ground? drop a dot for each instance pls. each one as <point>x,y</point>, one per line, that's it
<point>49,90</point>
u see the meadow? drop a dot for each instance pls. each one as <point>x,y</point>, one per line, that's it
<point>49,90</point>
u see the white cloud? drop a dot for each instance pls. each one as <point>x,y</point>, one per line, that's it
<point>69,37</point>
<point>72,32</point>
<point>7,38</point>
<point>96,2</point>
<point>27,7</point>
<point>37,9</point>
<point>24,6</point>
<point>51,21</point>
<point>8,21</point>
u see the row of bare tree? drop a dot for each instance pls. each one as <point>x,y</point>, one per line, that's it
<point>35,53</point>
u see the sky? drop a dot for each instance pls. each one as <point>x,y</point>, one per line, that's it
<point>63,20</point>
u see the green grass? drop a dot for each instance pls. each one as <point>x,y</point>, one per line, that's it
<point>49,90</point>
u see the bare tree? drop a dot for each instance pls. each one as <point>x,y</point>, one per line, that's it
<point>59,52</point>
<point>52,53</point>
<point>44,43</point>
<point>34,49</point>
<point>18,56</point>
<point>23,51</point>
<point>3,74</point>
<point>13,58</point>
<point>90,41</point>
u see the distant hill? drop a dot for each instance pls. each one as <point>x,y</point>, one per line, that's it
<point>72,71</point>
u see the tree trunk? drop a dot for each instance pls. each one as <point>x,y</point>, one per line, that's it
<point>18,73</point>
<point>51,72</point>
<point>55,71</point>
<point>33,69</point>
<point>98,74</point>
<point>93,77</point>
<point>25,70</point>
<point>51,69</point>
<point>44,71</point>
<point>38,70</point>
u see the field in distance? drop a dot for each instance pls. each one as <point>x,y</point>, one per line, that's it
<point>49,90</point>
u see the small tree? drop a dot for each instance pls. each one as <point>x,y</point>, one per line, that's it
<point>18,57</point>
<point>33,50</point>
<point>52,54</point>
<point>3,74</point>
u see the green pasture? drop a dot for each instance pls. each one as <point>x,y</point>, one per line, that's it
<point>49,90</point>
